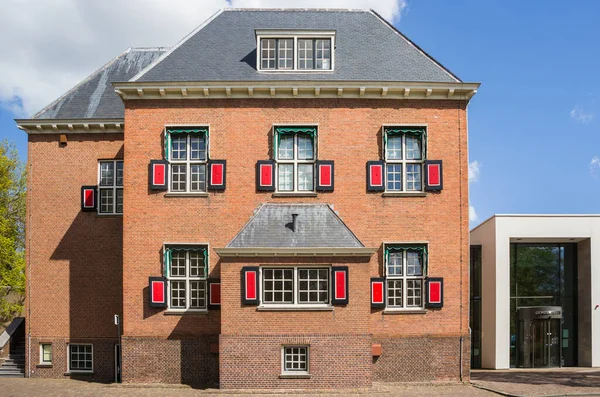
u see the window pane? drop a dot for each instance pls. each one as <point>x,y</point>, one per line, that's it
<point>197,147</point>
<point>323,55</point>
<point>197,294</point>
<point>394,176</point>
<point>267,54</point>
<point>107,173</point>
<point>295,359</point>
<point>119,201</point>
<point>178,147</point>
<point>313,285</point>
<point>413,148</point>
<point>178,294</point>
<point>414,263</point>
<point>119,173</point>
<point>413,292</point>
<point>394,147</point>
<point>286,177</point>
<point>47,353</point>
<point>413,177</point>
<point>305,54</point>
<point>394,265</point>
<point>278,285</point>
<point>106,201</point>
<point>305,177</point>
<point>80,357</point>
<point>394,293</point>
<point>305,147</point>
<point>178,263</point>
<point>178,178</point>
<point>198,177</point>
<point>286,53</point>
<point>286,147</point>
<point>197,264</point>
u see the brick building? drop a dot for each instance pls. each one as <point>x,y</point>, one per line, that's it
<point>280,200</point>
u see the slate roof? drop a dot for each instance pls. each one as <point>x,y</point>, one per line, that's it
<point>95,97</point>
<point>368,48</point>
<point>318,226</point>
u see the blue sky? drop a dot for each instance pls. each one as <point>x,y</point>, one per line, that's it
<point>534,126</point>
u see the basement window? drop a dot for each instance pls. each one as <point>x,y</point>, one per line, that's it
<point>295,360</point>
<point>81,358</point>
<point>280,50</point>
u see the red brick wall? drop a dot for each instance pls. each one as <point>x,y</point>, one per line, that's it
<point>74,259</point>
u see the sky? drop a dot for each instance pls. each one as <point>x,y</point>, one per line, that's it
<point>534,125</point>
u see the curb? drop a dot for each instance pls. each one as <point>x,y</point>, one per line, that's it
<point>503,393</point>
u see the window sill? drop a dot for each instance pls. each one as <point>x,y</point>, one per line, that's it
<point>295,308</point>
<point>404,311</point>
<point>73,373</point>
<point>295,376</point>
<point>199,194</point>
<point>404,194</point>
<point>45,365</point>
<point>109,215</point>
<point>185,312</point>
<point>295,194</point>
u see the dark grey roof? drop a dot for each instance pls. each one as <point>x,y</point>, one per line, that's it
<point>95,97</point>
<point>318,226</point>
<point>367,49</point>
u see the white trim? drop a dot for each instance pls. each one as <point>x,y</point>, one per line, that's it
<point>67,126</point>
<point>382,301</point>
<point>295,35</point>
<point>285,372</point>
<point>295,304</point>
<point>42,362</point>
<point>176,46</point>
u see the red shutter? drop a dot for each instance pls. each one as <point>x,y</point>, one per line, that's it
<point>434,288</point>
<point>377,293</point>
<point>217,174</point>
<point>434,180</point>
<point>250,281</point>
<point>324,176</point>
<point>214,294</point>
<point>340,285</point>
<point>158,175</point>
<point>89,198</point>
<point>265,175</point>
<point>158,291</point>
<point>375,176</point>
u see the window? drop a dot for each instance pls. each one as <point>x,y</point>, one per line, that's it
<point>186,270</point>
<point>295,359</point>
<point>80,358</point>
<point>405,270</point>
<point>295,52</point>
<point>404,156</point>
<point>295,286</point>
<point>186,151</point>
<point>45,353</point>
<point>110,181</point>
<point>295,155</point>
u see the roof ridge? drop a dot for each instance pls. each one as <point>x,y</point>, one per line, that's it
<point>299,9</point>
<point>82,82</point>
<point>148,49</point>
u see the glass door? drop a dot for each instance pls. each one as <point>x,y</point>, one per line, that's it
<point>546,343</point>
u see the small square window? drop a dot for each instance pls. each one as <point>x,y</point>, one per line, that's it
<point>80,358</point>
<point>295,359</point>
<point>45,353</point>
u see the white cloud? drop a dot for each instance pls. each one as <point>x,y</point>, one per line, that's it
<point>595,167</point>
<point>474,171</point>
<point>49,46</point>
<point>472,214</point>
<point>579,114</point>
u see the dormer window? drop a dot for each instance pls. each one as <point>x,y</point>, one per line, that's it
<point>295,51</point>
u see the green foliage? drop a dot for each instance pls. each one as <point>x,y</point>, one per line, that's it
<point>12,232</point>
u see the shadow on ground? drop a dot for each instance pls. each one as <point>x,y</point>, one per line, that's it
<point>565,377</point>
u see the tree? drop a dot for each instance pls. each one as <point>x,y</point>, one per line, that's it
<point>12,231</point>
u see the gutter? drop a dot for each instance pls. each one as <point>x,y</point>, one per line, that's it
<point>294,252</point>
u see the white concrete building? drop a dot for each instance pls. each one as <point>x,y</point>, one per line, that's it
<point>535,291</point>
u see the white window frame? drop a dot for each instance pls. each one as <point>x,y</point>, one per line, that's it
<point>69,369</point>
<point>403,162</point>
<point>42,361</point>
<point>296,162</point>
<point>284,370</point>
<point>187,279</point>
<point>296,290</point>
<point>188,162</point>
<point>114,187</point>
<point>295,35</point>
<point>405,278</point>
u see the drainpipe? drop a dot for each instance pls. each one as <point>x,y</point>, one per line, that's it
<point>460,354</point>
<point>294,222</point>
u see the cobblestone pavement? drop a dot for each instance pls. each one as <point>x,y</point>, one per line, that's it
<point>67,387</point>
<point>540,382</point>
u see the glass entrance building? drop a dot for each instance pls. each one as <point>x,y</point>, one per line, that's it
<point>534,284</point>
